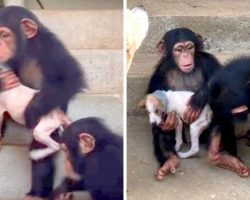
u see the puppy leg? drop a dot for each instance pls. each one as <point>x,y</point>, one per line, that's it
<point>196,128</point>
<point>178,135</point>
<point>42,133</point>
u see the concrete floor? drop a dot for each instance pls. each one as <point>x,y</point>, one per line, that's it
<point>196,179</point>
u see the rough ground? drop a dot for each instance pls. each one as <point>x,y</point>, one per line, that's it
<point>196,179</point>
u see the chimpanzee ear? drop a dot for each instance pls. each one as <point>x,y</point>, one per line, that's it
<point>201,42</point>
<point>161,48</point>
<point>29,28</point>
<point>86,143</point>
<point>239,109</point>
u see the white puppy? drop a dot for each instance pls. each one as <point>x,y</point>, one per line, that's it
<point>137,25</point>
<point>15,101</point>
<point>161,102</point>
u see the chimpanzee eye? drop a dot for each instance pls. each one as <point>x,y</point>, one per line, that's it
<point>4,35</point>
<point>191,47</point>
<point>179,50</point>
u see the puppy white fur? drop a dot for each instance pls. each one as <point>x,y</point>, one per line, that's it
<point>161,102</point>
<point>15,101</point>
<point>137,25</point>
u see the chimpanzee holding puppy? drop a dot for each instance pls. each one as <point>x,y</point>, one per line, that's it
<point>95,160</point>
<point>42,62</point>
<point>183,66</point>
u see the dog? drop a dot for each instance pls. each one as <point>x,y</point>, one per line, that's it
<point>160,102</point>
<point>15,100</point>
<point>137,28</point>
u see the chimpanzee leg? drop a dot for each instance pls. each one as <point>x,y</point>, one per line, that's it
<point>226,161</point>
<point>228,139</point>
<point>42,172</point>
<point>164,149</point>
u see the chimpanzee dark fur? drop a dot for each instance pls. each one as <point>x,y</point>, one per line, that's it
<point>61,79</point>
<point>102,169</point>
<point>228,88</point>
<point>205,66</point>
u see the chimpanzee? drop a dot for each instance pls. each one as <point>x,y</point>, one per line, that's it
<point>228,93</point>
<point>41,61</point>
<point>183,66</point>
<point>95,160</point>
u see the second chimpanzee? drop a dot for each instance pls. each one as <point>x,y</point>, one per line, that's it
<point>95,160</point>
<point>228,93</point>
<point>183,66</point>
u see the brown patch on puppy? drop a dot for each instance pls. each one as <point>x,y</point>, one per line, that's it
<point>157,103</point>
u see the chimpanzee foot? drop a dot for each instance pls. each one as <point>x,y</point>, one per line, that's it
<point>168,167</point>
<point>33,198</point>
<point>233,164</point>
<point>65,196</point>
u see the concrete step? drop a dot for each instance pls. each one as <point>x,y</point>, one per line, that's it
<point>224,23</point>
<point>107,107</point>
<point>101,66</point>
<point>85,29</point>
<point>15,173</point>
<point>141,70</point>
<point>195,179</point>
<point>75,4</point>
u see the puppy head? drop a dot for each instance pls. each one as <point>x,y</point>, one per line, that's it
<point>155,109</point>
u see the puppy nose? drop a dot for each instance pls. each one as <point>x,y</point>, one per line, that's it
<point>154,124</point>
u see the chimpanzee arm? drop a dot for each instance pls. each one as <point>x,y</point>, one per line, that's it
<point>67,185</point>
<point>209,65</point>
<point>157,80</point>
<point>59,85</point>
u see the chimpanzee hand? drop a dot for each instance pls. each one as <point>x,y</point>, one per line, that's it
<point>170,122</point>
<point>191,114</point>
<point>64,196</point>
<point>195,106</point>
<point>199,99</point>
<point>8,80</point>
<point>33,112</point>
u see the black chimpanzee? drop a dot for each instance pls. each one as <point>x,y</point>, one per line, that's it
<point>228,93</point>
<point>40,60</point>
<point>183,66</point>
<point>95,160</point>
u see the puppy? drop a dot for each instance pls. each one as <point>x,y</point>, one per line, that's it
<point>137,25</point>
<point>161,102</point>
<point>15,100</point>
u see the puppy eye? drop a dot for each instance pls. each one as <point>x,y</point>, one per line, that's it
<point>157,111</point>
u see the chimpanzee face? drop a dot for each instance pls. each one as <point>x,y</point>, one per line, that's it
<point>7,44</point>
<point>183,53</point>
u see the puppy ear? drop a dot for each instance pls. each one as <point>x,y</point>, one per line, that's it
<point>162,48</point>
<point>29,28</point>
<point>141,104</point>
<point>86,143</point>
<point>239,109</point>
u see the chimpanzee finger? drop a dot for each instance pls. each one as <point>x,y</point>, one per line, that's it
<point>177,122</point>
<point>173,120</point>
<point>187,114</point>
<point>165,125</point>
<point>167,122</point>
<point>192,117</point>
